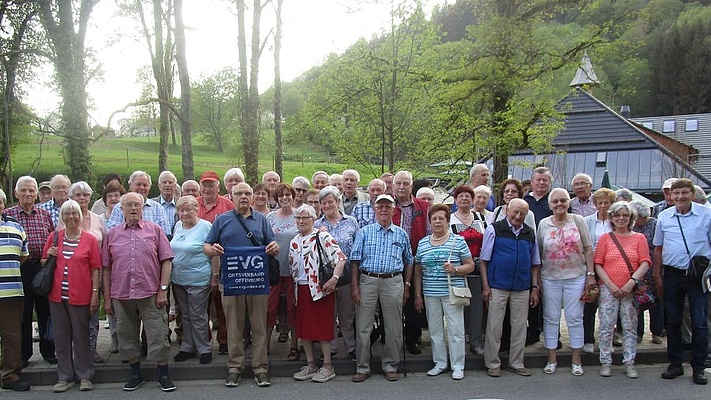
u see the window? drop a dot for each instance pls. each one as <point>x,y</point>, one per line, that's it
<point>669,126</point>
<point>648,124</point>
<point>692,125</point>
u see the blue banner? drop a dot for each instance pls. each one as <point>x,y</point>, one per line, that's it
<point>245,271</point>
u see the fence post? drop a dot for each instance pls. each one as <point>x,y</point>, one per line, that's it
<point>128,162</point>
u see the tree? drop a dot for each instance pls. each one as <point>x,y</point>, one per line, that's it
<point>279,155</point>
<point>65,22</point>
<point>216,107</point>
<point>185,98</point>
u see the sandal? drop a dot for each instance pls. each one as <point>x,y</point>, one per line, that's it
<point>294,355</point>
<point>283,337</point>
<point>576,369</point>
<point>550,368</point>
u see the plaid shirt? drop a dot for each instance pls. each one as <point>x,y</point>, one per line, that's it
<point>364,213</point>
<point>382,250</point>
<point>152,211</point>
<point>37,225</point>
<point>53,209</point>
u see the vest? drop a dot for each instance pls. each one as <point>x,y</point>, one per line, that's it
<point>510,265</point>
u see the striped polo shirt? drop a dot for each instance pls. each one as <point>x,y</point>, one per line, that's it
<point>13,245</point>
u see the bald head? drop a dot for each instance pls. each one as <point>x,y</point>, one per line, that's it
<point>516,212</point>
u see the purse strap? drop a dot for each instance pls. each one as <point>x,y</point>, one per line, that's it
<point>54,242</point>
<point>622,252</point>
<point>449,258</point>
<point>319,248</point>
<point>244,226</point>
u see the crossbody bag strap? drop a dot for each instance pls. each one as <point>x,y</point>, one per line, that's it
<point>622,252</point>
<point>449,259</point>
<point>319,248</point>
<point>244,226</point>
<point>678,221</point>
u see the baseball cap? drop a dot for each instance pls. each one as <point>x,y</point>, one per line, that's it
<point>385,197</point>
<point>209,176</point>
<point>667,184</point>
<point>44,184</point>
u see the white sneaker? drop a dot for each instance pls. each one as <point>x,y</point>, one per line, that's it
<point>606,370</point>
<point>458,375</point>
<point>631,371</point>
<point>589,348</point>
<point>435,371</point>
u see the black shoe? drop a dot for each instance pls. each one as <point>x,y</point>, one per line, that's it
<point>699,377</point>
<point>707,362</point>
<point>352,355</point>
<point>18,386</point>
<point>673,370</point>
<point>51,359</point>
<point>184,356</point>
<point>25,363</point>
<point>414,348</point>
<point>223,349</point>
<point>166,384</point>
<point>134,383</point>
<point>205,358</point>
<point>144,349</point>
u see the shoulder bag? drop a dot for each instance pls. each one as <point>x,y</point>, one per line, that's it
<point>273,262</point>
<point>697,264</point>
<point>458,296</point>
<point>644,293</point>
<point>326,269</point>
<point>43,280</point>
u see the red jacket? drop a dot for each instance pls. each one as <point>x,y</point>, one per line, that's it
<point>419,221</point>
<point>87,257</point>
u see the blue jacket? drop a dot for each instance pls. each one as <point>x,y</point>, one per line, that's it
<point>510,265</point>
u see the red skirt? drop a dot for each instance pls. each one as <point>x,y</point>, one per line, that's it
<point>314,319</point>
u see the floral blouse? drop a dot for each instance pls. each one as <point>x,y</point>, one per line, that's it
<point>304,260</point>
<point>562,248</point>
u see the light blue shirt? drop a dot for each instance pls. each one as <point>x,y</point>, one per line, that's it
<point>432,259</point>
<point>170,210</point>
<point>382,250</point>
<point>191,267</point>
<point>152,211</point>
<point>697,231</point>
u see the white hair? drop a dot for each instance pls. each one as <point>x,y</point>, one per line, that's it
<point>354,172</point>
<point>136,174</point>
<point>166,173</point>
<point>330,190</point>
<point>307,209</point>
<point>81,186</point>
<point>482,189</point>
<point>301,180</point>
<point>581,175</point>
<point>476,167</point>
<point>425,190</point>
<point>54,179</point>
<point>25,179</point>
<point>234,172</point>
<point>407,174</point>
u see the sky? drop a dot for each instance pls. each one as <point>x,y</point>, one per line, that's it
<point>312,29</point>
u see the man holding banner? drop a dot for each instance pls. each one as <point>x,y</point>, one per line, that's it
<point>243,277</point>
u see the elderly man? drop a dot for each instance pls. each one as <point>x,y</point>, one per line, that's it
<point>388,177</point>
<point>479,174</point>
<point>668,200</point>
<point>301,186</point>
<point>510,264</point>
<point>13,252</point>
<point>59,184</point>
<point>37,224</point>
<point>191,188</point>
<point>137,261</point>
<point>140,182</point>
<point>381,270</point>
<point>167,184</point>
<point>210,205</point>
<point>319,180</point>
<point>227,232</point>
<point>45,192</point>
<point>233,176</point>
<point>351,195</point>
<point>582,204</point>
<point>337,181</point>
<point>364,212</point>
<point>272,180</point>
<point>683,232</point>
<point>411,216</point>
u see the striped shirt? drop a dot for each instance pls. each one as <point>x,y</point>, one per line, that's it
<point>13,246</point>
<point>382,250</point>
<point>432,259</point>
<point>37,225</point>
<point>68,250</point>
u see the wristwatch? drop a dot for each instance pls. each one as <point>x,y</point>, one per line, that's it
<point>164,287</point>
<point>590,273</point>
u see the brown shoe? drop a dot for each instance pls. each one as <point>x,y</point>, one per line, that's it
<point>494,372</point>
<point>360,377</point>
<point>390,376</point>
<point>520,371</point>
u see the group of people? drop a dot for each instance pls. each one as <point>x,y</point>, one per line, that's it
<point>393,255</point>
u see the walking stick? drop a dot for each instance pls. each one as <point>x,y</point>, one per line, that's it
<point>404,356</point>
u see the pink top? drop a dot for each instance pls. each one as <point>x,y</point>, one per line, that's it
<point>134,254</point>
<point>607,254</point>
<point>86,257</point>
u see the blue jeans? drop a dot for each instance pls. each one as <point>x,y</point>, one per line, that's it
<point>676,287</point>
<point>656,320</point>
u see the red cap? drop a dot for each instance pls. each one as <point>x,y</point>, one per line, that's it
<point>209,176</point>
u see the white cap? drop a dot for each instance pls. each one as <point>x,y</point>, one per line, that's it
<point>386,197</point>
<point>667,184</point>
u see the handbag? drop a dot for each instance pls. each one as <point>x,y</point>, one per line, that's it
<point>272,261</point>
<point>325,269</point>
<point>644,296</point>
<point>697,264</point>
<point>591,294</point>
<point>458,296</point>
<point>43,280</point>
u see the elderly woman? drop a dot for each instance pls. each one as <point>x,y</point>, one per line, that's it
<point>343,228</point>
<point>283,224</point>
<point>598,225</point>
<point>233,176</point>
<point>427,195</point>
<point>337,181</point>
<point>510,189</point>
<point>623,195</point>
<point>618,281</point>
<point>91,223</point>
<point>471,227</point>
<point>647,225</point>
<point>301,186</point>
<point>99,206</point>
<point>74,297</point>
<point>314,298</point>
<point>111,197</point>
<point>313,199</point>
<point>260,199</point>
<point>190,279</point>
<point>567,268</point>
<point>442,257</point>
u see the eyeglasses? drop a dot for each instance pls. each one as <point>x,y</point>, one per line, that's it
<point>303,218</point>
<point>312,202</point>
<point>239,194</point>
<point>300,190</point>
<point>511,191</point>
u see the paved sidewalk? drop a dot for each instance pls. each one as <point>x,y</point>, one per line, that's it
<point>39,372</point>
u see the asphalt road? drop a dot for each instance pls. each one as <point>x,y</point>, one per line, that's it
<point>475,385</point>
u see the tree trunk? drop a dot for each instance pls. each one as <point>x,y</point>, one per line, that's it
<point>278,156</point>
<point>185,93</point>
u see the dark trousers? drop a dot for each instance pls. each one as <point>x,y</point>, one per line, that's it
<point>676,287</point>
<point>589,312</point>
<point>656,320</point>
<point>535,324</point>
<point>39,304</point>
<point>414,321</point>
